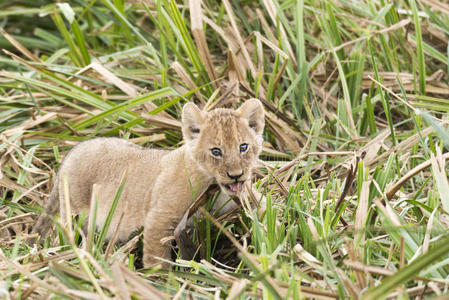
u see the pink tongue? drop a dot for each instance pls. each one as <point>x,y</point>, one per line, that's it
<point>234,186</point>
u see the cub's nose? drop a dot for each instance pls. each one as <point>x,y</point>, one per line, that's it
<point>235,175</point>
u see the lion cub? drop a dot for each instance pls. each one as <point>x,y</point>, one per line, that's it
<point>221,145</point>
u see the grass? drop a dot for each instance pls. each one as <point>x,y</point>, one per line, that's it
<point>355,151</point>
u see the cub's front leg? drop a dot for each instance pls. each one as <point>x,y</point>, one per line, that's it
<point>159,223</point>
<point>168,204</point>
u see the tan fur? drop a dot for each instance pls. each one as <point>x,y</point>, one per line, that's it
<point>161,185</point>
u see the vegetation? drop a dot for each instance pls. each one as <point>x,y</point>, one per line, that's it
<point>353,168</point>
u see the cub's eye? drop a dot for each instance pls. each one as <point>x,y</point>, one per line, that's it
<point>243,148</point>
<point>216,152</point>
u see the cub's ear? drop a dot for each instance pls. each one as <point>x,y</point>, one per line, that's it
<point>192,118</point>
<point>252,110</point>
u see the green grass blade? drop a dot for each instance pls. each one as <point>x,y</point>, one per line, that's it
<point>439,249</point>
<point>74,52</point>
<point>107,222</point>
<point>419,50</point>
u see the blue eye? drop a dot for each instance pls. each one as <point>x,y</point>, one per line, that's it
<point>243,148</point>
<point>216,152</point>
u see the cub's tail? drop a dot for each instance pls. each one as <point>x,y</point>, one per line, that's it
<point>51,207</point>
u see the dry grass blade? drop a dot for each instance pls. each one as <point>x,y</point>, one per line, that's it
<point>272,12</point>
<point>356,255</point>
<point>392,93</point>
<point>223,100</point>
<point>237,35</point>
<point>313,293</point>
<point>362,213</point>
<point>122,253</point>
<point>426,242</point>
<point>31,276</point>
<point>12,185</point>
<point>396,26</point>
<point>437,5</point>
<point>114,237</point>
<point>237,288</point>
<point>306,256</point>
<point>111,78</point>
<point>420,291</point>
<point>181,290</point>
<point>357,265</point>
<point>439,170</point>
<point>405,144</point>
<point>163,122</point>
<point>19,46</point>
<point>20,61</point>
<point>83,294</point>
<point>286,138</point>
<point>119,279</point>
<point>15,219</point>
<point>143,288</point>
<point>30,123</point>
<point>72,272</point>
<point>353,290</point>
<point>419,168</point>
<point>196,22</point>
<point>179,69</point>
<point>388,212</point>
<point>352,172</point>
<point>44,262</point>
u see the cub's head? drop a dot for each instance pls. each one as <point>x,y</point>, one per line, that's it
<point>225,143</point>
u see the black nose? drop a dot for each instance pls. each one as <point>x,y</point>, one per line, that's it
<point>235,177</point>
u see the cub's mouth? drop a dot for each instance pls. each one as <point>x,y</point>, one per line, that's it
<point>234,187</point>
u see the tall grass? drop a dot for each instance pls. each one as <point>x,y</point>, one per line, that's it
<point>354,161</point>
